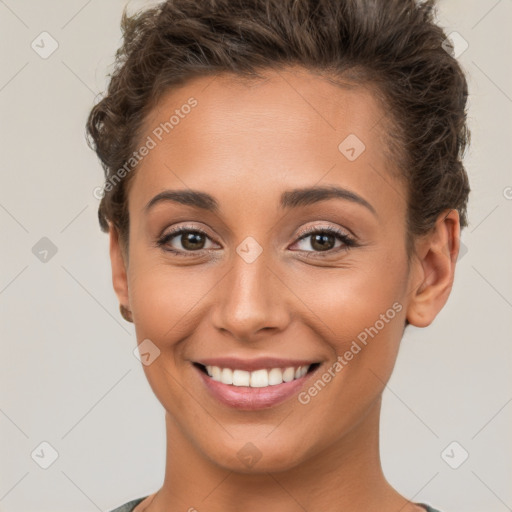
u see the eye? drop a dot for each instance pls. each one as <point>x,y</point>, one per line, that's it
<point>324,240</point>
<point>191,239</point>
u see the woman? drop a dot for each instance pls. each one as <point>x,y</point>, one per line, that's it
<point>284,194</point>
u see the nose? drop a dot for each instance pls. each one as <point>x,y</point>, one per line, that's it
<point>252,301</point>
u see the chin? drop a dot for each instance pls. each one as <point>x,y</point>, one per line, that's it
<point>256,457</point>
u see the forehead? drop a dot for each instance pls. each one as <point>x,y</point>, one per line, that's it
<point>303,105</point>
<point>291,128</point>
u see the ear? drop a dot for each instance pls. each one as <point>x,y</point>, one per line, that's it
<point>434,269</point>
<point>119,265</point>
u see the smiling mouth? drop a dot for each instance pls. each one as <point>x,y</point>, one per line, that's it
<point>257,378</point>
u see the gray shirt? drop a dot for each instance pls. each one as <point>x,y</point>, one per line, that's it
<point>128,507</point>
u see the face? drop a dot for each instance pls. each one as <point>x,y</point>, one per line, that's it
<point>251,273</point>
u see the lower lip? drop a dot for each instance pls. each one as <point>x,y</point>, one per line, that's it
<point>249,399</point>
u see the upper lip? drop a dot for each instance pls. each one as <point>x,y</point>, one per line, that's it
<point>260,363</point>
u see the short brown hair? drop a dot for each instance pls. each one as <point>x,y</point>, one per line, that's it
<point>394,45</point>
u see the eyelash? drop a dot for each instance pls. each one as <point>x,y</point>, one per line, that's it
<point>347,240</point>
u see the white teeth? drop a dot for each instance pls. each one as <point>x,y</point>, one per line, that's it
<point>241,378</point>
<point>226,376</point>
<point>258,378</point>
<point>275,376</point>
<point>289,374</point>
<point>216,373</point>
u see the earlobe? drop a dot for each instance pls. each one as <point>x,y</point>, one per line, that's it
<point>117,260</point>
<point>434,269</point>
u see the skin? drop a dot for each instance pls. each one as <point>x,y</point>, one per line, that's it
<point>245,143</point>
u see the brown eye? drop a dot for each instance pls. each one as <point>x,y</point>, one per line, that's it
<point>192,240</point>
<point>323,242</point>
<point>184,240</point>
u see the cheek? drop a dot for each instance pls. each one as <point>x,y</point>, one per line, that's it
<point>360,315</point>
<point>165,302</point>
<point>349,303</point>
<point>164,298</point>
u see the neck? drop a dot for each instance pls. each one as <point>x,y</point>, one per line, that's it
<point>344,476</point>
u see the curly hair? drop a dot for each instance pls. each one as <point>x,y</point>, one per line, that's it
<point>393,45</point>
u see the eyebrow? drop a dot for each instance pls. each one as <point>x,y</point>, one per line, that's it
<point>289,199</point>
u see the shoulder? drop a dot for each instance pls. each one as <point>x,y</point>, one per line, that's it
<point>128,507</point>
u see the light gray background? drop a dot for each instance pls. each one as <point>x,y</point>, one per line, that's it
<point>67,372</point>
